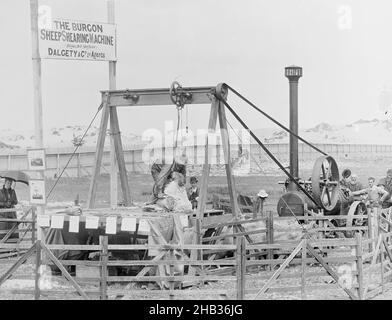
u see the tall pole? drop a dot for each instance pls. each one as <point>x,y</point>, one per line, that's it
<point>37,95</point>
<point>112,86</point>
<point>38,125</point>
<point>293,73</point>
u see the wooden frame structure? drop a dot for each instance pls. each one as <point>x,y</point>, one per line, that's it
<point>112,99</point>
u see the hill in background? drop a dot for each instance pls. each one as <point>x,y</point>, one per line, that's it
<point>359,132</point>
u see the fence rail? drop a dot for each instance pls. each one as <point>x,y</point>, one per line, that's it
<point>316,263</point>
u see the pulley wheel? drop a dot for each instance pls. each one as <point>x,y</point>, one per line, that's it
<point>357,208</point>
<point>325,182</point>
<point>174,94</point>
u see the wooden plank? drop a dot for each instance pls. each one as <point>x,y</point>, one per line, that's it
<point>104,253</point>
<point>72,247</point>
<point>321,229</point>
<point>240,272</point>
<point>229,223</point>
<point>64,271</point>
<point>279,271</point>
<point>37,292</point>
<point>303,270</point>
<point>112,263</point>
<point>382,268</point>
<point>236,234</point>
<point>358,253</point>
<point>98,153</point>
<point>374,260</point>
<point>204,183</point>
<point>33,225</point>
<point>120,157</point>
<point>322,217</point>
<point>158,96</point>
<point>112,86</point>
<point>206,164</point>
<point>196,279</point>
<point>330,271</point>
<point>387,249</point>
<point>144,271</point>
<point>37,83</point>
<point>17,264</point>
<point>226,152</point>
<point>13,229</point>
<point>270,234</point>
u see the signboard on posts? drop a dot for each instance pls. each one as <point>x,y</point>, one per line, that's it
<point>76,40</point>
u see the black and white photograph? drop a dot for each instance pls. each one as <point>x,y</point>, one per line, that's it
<point>37,191</point>
<point>196,157</point>
<point>36,159</point>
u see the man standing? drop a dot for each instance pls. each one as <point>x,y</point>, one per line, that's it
<point>193,192</point>
<point>375,195</point>
<point>8,200</point>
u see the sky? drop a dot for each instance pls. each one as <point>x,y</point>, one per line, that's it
<point>344,48</point>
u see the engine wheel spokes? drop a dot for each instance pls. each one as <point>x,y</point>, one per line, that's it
<point>325,182</point>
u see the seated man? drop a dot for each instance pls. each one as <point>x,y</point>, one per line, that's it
<point>373,193</point>
<point>175,196</point>
<point>161,173</point>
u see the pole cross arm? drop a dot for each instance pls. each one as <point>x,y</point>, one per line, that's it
<point>154,97</point>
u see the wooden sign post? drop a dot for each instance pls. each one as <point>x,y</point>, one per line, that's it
<point>38,123</point>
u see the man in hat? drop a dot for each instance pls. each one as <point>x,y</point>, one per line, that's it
<point>345,181</point>
<point>8,200</point>
<point>261,196</point>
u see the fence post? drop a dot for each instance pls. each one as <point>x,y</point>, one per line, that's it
<point>358,253</point>
<point>33,224</point>
<point>382,263</point>
<point>270,235</point>
<point>103,242</point>
<point>370,230</point>
<point>303,270</point>
<point>241,267</point>
<point>37,291</point>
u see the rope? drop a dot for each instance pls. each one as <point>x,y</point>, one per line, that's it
<point>274,121</point>
<point>178,129</point>
<point>76,148</point>
<point>187,122</point>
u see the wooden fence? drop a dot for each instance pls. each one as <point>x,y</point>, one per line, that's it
<point>23,229</point>
<point>251,270</point>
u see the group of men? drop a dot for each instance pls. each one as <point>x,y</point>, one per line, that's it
<point>376,193</point>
